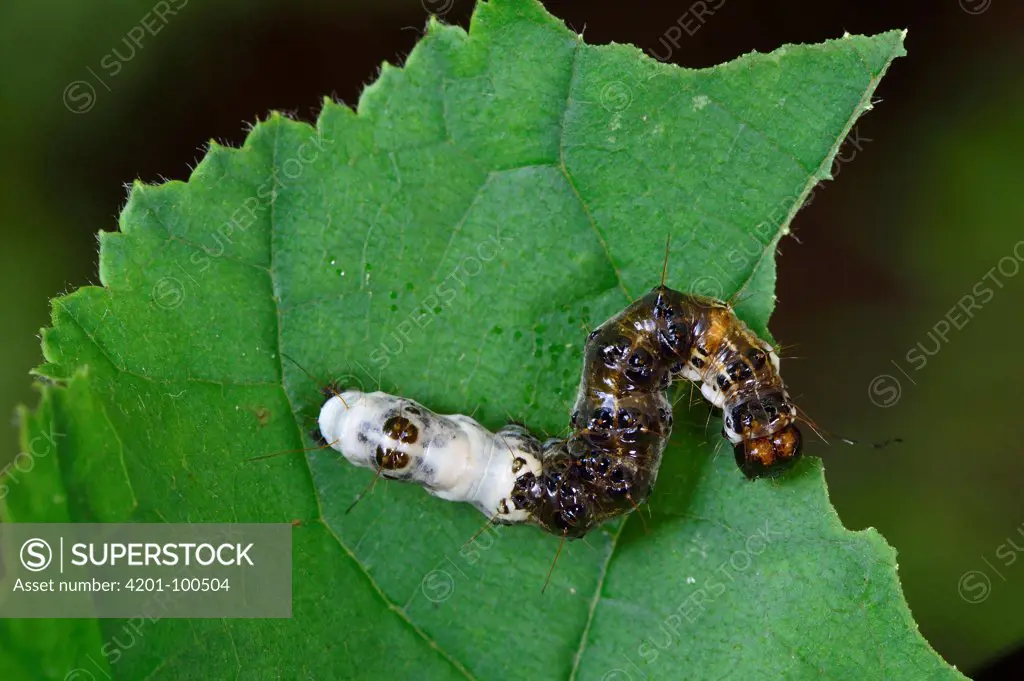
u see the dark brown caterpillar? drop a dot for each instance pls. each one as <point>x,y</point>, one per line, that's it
<point>620,424</point>
<point>622,418</point>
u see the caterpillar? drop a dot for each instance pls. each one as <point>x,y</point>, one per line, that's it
<point>620,423</point>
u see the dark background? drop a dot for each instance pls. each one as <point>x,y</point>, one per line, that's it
<point>924,206</point>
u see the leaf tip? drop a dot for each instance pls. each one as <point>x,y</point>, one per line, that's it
<point>435,25</point>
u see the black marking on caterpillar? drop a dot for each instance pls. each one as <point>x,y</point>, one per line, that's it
<point>620,423</point>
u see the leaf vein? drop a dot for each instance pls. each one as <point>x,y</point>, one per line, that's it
<point>578,658</point>
<point>574,73</point>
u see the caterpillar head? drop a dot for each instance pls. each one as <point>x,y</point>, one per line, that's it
<point>765,439</point>
<point>771,455</point>
<point>758,415</point>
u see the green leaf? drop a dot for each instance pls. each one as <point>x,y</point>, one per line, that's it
<point>451,241</point>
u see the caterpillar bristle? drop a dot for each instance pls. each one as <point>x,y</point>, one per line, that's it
<point>272,455</point>
<point>551,570</point>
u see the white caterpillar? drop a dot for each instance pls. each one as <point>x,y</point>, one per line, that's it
<point>452,456</point>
